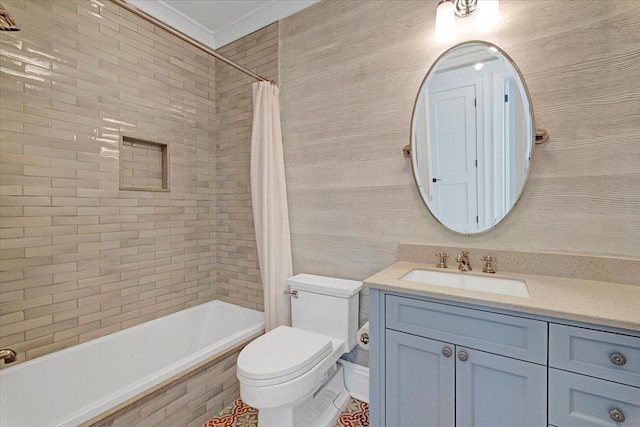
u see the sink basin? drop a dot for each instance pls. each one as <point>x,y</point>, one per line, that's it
<point>495,285</point>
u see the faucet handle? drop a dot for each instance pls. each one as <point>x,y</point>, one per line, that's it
<point>488,266</point>
<point>443,259</point>
<point>8,355</point>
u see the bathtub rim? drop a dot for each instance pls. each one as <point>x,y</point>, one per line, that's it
<point>99,409</point>
<point>140,398</point>
<point>27,363</point>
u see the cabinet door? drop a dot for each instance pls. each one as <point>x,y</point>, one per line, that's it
<point>420,382</point>
<point>496,391</point>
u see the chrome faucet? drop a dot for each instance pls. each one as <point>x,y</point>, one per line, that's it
<point>463,261</point>
<point>8,355</point>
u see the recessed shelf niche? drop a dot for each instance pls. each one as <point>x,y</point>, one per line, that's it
<point>144,165</point>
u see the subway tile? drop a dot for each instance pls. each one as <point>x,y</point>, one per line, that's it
<point>50,231</point>
<point>10,233</point>
<point>46,270</point>
<point>50,329</point>
<point>77,220</point>
<point>50,211</point>
<point>76,238</point>
<point>26,242</point>
<point>42,251</point>
<point>14,317</point>
<point>72,235</point>
<point>26,325</point>
<point>49,309</point>
<point>96,246</point>
<point>52,289</point>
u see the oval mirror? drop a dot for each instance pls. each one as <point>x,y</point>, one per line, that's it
<point>472,137</point>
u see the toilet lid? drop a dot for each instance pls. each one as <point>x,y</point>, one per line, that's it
<point>281,352</point>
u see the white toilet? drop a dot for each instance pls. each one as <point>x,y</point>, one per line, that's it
<point>290,374</point>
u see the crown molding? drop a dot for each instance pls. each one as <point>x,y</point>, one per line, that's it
<point>176,19</point>
<point>270,12</point>
<point>266,14</point>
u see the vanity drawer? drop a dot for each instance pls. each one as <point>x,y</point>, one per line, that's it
<point>599,354</point>
<point>510,336</point>
<point>581,401</point>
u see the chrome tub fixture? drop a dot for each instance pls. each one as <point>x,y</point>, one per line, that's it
<point>7,23</point>
<point>8,355</point>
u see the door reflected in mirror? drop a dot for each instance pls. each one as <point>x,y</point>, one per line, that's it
<point>472,137</point>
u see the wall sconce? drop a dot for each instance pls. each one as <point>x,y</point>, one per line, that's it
<point>487,17</point>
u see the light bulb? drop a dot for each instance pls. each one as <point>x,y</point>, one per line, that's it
<point>478,66</point>
<point>445,22</point>
<point>488,14</point>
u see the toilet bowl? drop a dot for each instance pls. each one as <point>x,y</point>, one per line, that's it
<point>290,374</point>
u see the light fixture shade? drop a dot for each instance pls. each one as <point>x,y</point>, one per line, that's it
<point>488,14</point>
<point>445,22</point>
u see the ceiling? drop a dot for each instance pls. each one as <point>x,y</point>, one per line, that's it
<point>219,22</point>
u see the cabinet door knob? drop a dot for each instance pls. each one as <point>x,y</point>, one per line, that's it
<point>617,415</point>
<point>463,356</point>
<point>446,352</point>
<point>618,359</point>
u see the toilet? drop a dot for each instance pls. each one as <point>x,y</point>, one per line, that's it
<point>290,374</point>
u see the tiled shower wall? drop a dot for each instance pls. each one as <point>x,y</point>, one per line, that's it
<point>238,273</point>
<point>80,258</point>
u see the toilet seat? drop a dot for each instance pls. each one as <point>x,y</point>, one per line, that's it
<point>281,355</point>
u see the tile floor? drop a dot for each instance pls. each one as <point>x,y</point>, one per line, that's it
<point>238,414</point>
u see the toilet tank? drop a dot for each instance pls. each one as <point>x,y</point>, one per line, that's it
<point>327,306</point>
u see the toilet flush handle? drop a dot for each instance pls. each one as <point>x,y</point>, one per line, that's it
<point>294,294</point>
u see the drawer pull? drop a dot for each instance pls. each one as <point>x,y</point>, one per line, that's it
<point>446,352</point>
<point>617,415</point>
<point>463,356</point>
<point>618,359</point>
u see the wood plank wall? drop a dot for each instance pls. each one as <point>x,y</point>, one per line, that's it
<point>349,73</point>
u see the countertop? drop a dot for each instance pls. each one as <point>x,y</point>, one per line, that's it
<point>580,300</point>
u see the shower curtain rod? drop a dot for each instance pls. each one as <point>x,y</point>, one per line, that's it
<point>186,38</point>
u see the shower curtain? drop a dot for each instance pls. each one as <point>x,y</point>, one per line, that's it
<point>269,198</point>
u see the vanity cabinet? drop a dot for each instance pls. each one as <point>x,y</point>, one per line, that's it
<point>594,378</point>
<point>446,366</point>
<point>420,381</point>
<point>440,364</point>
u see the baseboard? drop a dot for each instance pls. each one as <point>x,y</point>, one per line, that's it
<point>356,379</point>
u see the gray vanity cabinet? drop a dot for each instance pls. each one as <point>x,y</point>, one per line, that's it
<point>432,384</point>
<point>594,378</point>
<point>439,365</point>
<point>420,381</point>
<point>497,391</point>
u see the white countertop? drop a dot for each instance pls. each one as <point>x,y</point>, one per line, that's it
<point>590,301</point>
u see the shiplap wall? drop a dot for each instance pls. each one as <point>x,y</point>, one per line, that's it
<point>349,73</point>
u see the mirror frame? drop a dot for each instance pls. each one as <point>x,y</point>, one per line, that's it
<point>532,141</point>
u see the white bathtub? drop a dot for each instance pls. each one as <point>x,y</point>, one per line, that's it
<point>69,387</point>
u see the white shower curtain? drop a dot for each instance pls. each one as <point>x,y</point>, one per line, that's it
<point>269,198</point>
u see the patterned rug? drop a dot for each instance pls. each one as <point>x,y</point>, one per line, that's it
<point>239,414</point>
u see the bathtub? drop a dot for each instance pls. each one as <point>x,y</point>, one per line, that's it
<point>72,386</point>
